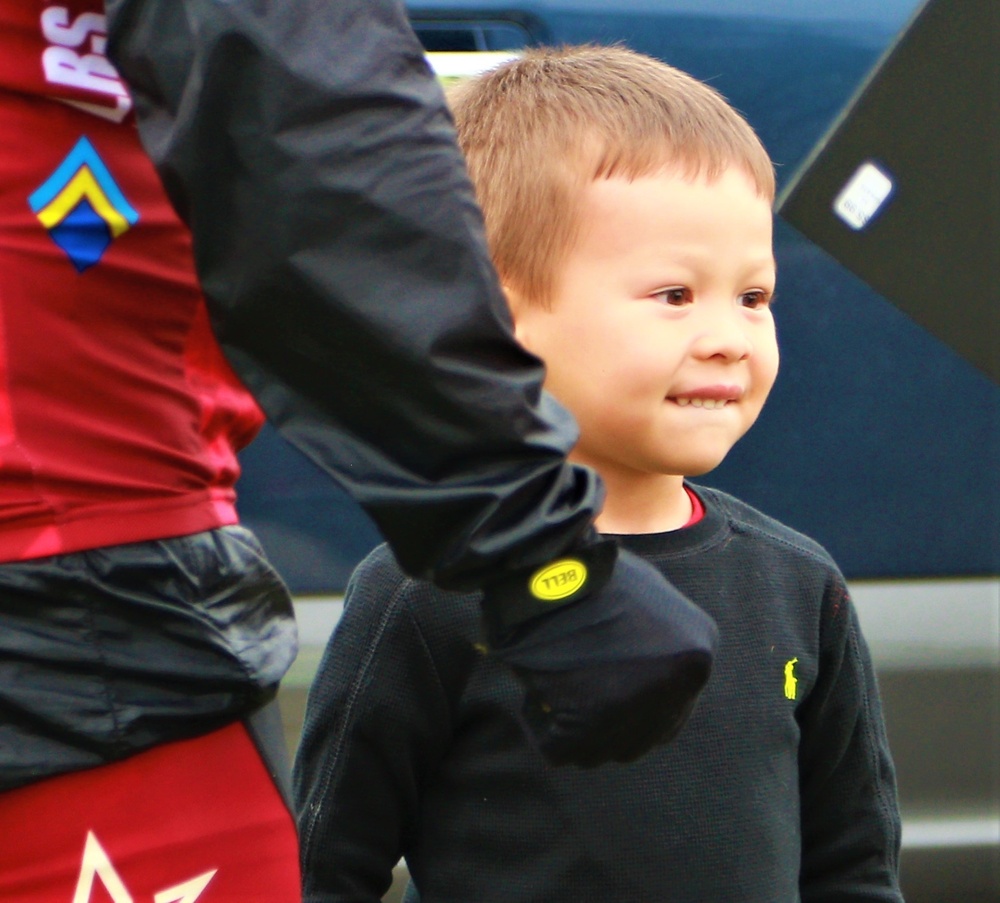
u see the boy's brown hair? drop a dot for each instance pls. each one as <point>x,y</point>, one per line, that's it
<point>537,129</point>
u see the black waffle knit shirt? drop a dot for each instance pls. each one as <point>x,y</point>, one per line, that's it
<point>780,788</point>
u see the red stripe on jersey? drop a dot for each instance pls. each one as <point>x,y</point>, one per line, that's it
<point>120,419</point>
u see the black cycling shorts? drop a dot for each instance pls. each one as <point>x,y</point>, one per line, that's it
<point>112,651</point>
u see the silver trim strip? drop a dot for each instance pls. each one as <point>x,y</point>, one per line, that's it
<point>939,833</point>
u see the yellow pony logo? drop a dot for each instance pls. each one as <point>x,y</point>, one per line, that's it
<point>791,681</point>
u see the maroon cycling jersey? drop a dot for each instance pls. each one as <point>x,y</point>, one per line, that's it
<point>119,417</point>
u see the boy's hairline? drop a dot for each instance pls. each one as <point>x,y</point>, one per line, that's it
<point>688,168</point>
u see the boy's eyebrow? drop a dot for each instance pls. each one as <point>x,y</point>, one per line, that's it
<point>770,263</point>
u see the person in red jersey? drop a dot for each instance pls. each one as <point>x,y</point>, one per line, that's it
<point>210,210</point>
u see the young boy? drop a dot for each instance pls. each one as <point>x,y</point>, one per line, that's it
<point>628,211</point>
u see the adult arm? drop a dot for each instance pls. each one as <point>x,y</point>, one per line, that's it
<point>850,812</point>
<point>341,251</point>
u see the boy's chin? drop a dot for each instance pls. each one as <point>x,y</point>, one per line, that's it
<point>702,466</point>
<point>704,460</point>
<point>696,472</point>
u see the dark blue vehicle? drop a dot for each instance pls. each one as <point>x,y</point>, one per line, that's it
<point>878,440</point>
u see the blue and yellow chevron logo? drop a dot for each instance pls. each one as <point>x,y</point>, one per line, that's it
<point>82,207</point>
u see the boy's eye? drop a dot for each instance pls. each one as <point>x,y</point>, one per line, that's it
<point>756,299</point>
<point>676,296</point>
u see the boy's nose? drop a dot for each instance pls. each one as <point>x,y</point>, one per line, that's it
<point>724,335</point>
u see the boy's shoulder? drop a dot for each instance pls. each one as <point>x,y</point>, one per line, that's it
<point>744,519</point>
<point>379,588</point>
<point>378,569</point>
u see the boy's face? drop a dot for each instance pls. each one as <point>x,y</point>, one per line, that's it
<point>659,337</point>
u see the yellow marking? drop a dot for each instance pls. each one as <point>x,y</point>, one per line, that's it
<point>791,680</point>
<point>82,185</point>
<point>558,580</point>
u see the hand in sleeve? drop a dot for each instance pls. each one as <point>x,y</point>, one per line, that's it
<point>612,656</point>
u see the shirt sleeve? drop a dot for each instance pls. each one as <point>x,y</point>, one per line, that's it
<point>378,721</point>
<point>850,814</point>
<point>342,254</point>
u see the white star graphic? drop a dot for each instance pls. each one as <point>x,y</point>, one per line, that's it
<point>96,865</point>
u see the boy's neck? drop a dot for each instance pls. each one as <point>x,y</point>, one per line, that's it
<point>653,503</point>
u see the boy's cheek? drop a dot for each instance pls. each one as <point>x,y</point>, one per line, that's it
<point>767,356</point>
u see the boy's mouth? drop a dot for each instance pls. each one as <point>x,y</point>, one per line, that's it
<point>709,398</point>
<point>707,403</point>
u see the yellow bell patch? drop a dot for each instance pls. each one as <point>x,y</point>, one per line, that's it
<point>558,580</point>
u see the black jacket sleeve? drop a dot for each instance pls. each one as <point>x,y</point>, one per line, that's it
<point>338,242</point>
<point>850,813</point>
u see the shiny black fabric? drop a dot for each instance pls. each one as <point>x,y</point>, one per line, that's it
<point>107,652</point>
<point>343,258</point>
<point>338,242</point>
<point>616,674</point>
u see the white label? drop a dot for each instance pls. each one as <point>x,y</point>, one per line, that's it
<point>865,193</point>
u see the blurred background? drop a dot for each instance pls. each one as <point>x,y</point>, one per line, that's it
<point>878,440</point>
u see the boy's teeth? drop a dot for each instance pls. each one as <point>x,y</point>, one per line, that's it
<point>709,403</point>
